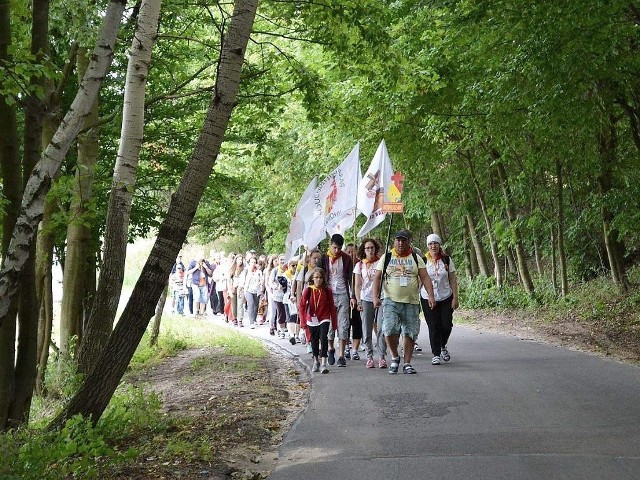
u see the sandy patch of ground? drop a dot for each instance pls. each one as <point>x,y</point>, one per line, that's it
<point>232,412</point>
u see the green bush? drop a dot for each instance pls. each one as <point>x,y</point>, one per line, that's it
<point>482,293</point>
<point>79,449</point>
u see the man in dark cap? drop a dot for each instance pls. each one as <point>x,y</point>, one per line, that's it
<point>338,267</point>
<point>399,274</point>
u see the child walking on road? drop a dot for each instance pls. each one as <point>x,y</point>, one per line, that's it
<point>317,312</point>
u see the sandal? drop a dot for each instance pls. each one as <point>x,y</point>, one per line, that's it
<point>407,368</point>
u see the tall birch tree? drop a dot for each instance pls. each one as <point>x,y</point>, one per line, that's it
<point>74,287</point>
<point>99,386</point>
<point>100,322</point>
<point>39,182</point>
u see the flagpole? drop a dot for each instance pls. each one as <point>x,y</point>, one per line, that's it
<point>352,294</point>
<point>386,247</point>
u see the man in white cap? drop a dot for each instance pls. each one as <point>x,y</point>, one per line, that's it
<point>399,274</point>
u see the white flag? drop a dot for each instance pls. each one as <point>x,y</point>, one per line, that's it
<point>335,200</point>
<point>374,189</point>
<point>297,228</point>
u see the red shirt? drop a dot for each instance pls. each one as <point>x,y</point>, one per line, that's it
<point>317,302</point>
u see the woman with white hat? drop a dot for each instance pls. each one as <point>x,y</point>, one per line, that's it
<point>442,271</point>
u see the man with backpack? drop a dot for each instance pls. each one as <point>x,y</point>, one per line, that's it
<point>399,274</point>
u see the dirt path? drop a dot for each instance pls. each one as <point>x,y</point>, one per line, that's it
<point>232,414</point>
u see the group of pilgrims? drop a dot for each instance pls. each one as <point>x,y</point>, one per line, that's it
<point>348,300</point>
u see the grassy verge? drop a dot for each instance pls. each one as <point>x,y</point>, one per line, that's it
<point>595,315</point>
<point>134,425</point>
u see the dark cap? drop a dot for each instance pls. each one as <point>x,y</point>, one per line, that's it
<point>337,239</point>
<point>403,234</point>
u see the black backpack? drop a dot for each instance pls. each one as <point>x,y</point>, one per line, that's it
<point>283,282</point>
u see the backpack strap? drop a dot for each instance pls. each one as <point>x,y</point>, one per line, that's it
<point>387,259</point>
<point>446,259</point>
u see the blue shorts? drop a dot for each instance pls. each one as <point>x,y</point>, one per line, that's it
<point>202,294</point>
<point>400,318</point>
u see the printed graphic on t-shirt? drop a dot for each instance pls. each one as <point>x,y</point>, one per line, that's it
<point>402,267</point>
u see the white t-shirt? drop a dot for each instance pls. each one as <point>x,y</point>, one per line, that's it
<point>336,277</point>
<point>277,294</point>
<point>253,281</point>
<point>367,271</point>
<point>439,278</point>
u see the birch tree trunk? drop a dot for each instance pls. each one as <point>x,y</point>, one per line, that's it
<point>554,268</point>
<point>478,248</point>
<point>105,304</point>
<point>437,226</point>
<point>608,145</point>
<point>537,257</point>
<point>44,293</point>
<point>469,252</point>
<point>46,237</point>
<point>98,387</point>
<point>157,318</point>
<point>536,241</point>
<point>523,269</point>
<point>39,183</point>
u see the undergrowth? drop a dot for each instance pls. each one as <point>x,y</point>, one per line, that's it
<point>611,317</point>
<point>133,417</point>
<point>79,448</point>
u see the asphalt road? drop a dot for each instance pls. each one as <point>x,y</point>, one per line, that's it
<point>502,408</point>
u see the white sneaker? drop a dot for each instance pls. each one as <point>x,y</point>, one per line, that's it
<point>316,367</point>
<point>444,354</point>
<point>435,360</point>
<point>324,369</point>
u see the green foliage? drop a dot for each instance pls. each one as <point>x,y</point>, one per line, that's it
<point>82,450</point>
<point>611,317</point>
<point>482,292</point>
<point>599,302</point>
<point>79,449</point>
<point>62,379</point>
<point>178,334</point>
<point>169,345</point>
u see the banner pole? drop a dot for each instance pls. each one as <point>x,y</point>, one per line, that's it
<point>386,246</point>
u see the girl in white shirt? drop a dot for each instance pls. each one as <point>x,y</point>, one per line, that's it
<point>369,253</point>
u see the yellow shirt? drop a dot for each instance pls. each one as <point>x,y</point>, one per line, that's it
<point>401,283</point>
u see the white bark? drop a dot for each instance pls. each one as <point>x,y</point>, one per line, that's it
<point>109,289</point>
<point>40,180</point>
<point>98,387</point>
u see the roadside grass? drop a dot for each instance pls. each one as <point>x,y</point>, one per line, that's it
<point>179,333</point>
<point>133,422</point>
